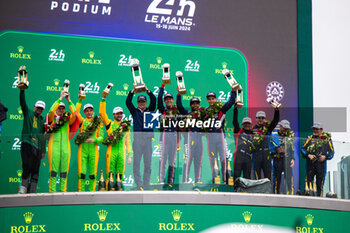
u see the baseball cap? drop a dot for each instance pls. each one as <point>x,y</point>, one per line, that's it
<point>317,125</point>
<point>40,104</point>
<point>141,98</point>
<point>168,95</point>
<point>194,99</point>
<point>62,105</point>
<point>211,94</point>
<point>261,114</point>
<point>246,120</point>
<point>285,124</point>
<point>117,110</point>
<point>88,106</point>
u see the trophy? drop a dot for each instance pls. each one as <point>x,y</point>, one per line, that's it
<point>82,92</point>
<point>111,182</point>
<point>118,184</point>
<point>106,91</point>
<point>22,78</point>
<point>239,99</point>
<point>66,86</point>
<point>180,83</point>
<point>101,183</point>
<point>136,72</point>
<point>166,74</point>
<point>230,79</point>
<point>274,103</point>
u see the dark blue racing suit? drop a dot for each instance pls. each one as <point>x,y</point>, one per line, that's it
<point>193,139</point>
<point>142,144</point>
<point>169,142</point>
<point>216,138</point>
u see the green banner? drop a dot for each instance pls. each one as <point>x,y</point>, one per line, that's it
<point>50,59</point>
<point>172,218</point>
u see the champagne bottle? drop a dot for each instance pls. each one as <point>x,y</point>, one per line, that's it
<point>229,177</point>
<point>101,183</point>
<point>118,184</point>
<point>111,182</point>
<point>216,173</point>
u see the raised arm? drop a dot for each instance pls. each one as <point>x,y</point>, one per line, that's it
<point>129,104</point>
<point>72,117</point>
<point>161,107</point>
<point>274,122</point>
<point>22,101</point>
<point>106,121</point>
<point>152,105</point>
<point>235,121</point>
<point>78,111</point>
<point>180,107</point>
<point>229,103</point>
<point>52,111</point>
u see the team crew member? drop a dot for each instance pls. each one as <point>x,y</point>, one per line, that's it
<point>216,135</point>
<point>88,154</point>
<point>317,149</point>
<point>261,154</point>
<point>169,140</point>
<point>282,152</point>
<point>244,146</point>
<point>116,154</point>
<point>33,144</point>
<point>193,140</point>
<point>60,123</point>
<point>142,144</point>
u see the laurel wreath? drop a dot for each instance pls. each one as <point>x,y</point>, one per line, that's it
<point>58,123</point>
<point>261,133</point>
<point>317,143</point>
<point>90,129</point>
<point>117,134</point>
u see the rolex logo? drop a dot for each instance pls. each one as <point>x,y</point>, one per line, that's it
<point>20,48</point>
<point>102,214</point>
<point>28,217</point>
<point>159,60</point>
<point>91,54</point>
<point>126,86</point>
<point>19,173</point>
<point>192,91</point>
<point>19,109</point>
<point>224,65</point>
<point>176,215</point>
<point>247,216</point>
<point>309,219</point>
<point>56,81</point>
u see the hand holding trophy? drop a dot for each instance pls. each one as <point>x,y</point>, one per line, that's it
<point>66,86</point>
<point>230,79</point>
<point>136,72</point>
<point>106,91</point>
<point>22,78</point>
<point>180,83</point>
<point>166,74</point>
<point>274,103</point>
<point>82,94</point>
<point>239,99</point>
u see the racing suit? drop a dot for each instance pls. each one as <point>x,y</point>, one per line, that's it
<point>261,154</point>
<point>216,138</point>
<point>317,168</point>
<point>169,143</point>
<point>281,162</point>
<point>32,146</point>
<point>193,138</point>
<point>142,144</point>
<point>243,149</point>
<point>115,154</point>
<point>88,154</point>
<point>59,148</point>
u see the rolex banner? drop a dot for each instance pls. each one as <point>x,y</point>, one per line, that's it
<point>168,218</point>
<point>50,59</point>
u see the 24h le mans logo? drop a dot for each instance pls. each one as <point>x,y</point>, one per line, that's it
<point>275,90</point>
